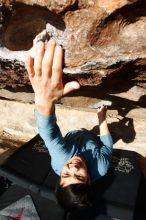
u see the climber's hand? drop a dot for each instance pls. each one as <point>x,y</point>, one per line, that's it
<point>101,112</point>
<point>45,74</point>
<point>103,126</point>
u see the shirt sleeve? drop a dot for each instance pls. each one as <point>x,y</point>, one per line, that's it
<point>105,153</point>
<point>51,134</point>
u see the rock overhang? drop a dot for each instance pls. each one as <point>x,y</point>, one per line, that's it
<point>104,47</point>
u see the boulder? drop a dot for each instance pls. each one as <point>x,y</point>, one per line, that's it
<point>102,40</point>
<point>104,49</point>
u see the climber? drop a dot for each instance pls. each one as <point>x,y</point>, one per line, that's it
<point>80,157</point>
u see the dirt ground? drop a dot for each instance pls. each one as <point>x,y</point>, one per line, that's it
<point>9,144</point>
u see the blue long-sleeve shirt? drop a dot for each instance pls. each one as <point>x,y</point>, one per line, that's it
<point>97,150</point>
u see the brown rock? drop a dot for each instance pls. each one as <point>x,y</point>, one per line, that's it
<point>111,5</point>
<point>52,5</point>
<point>104,42</point>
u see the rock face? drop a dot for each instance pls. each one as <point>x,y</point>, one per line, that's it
<point>101,38</point>
<point>104,43</point>
<point>105,50</point>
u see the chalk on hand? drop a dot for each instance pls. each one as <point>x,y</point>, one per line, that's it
<point>102,102</point>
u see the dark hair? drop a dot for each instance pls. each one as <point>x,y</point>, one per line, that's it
<point>74,196</point>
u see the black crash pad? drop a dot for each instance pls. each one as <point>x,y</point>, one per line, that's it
<point>120,187</point>
<point>29,166</point>
<point>116,193</point>
<point>46,208</point>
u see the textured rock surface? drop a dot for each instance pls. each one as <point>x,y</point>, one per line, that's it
<point>126,131</point>
<point>52,5</point>
<point>100,38</point>
<point>105,51</point>
<point>104,44</point>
